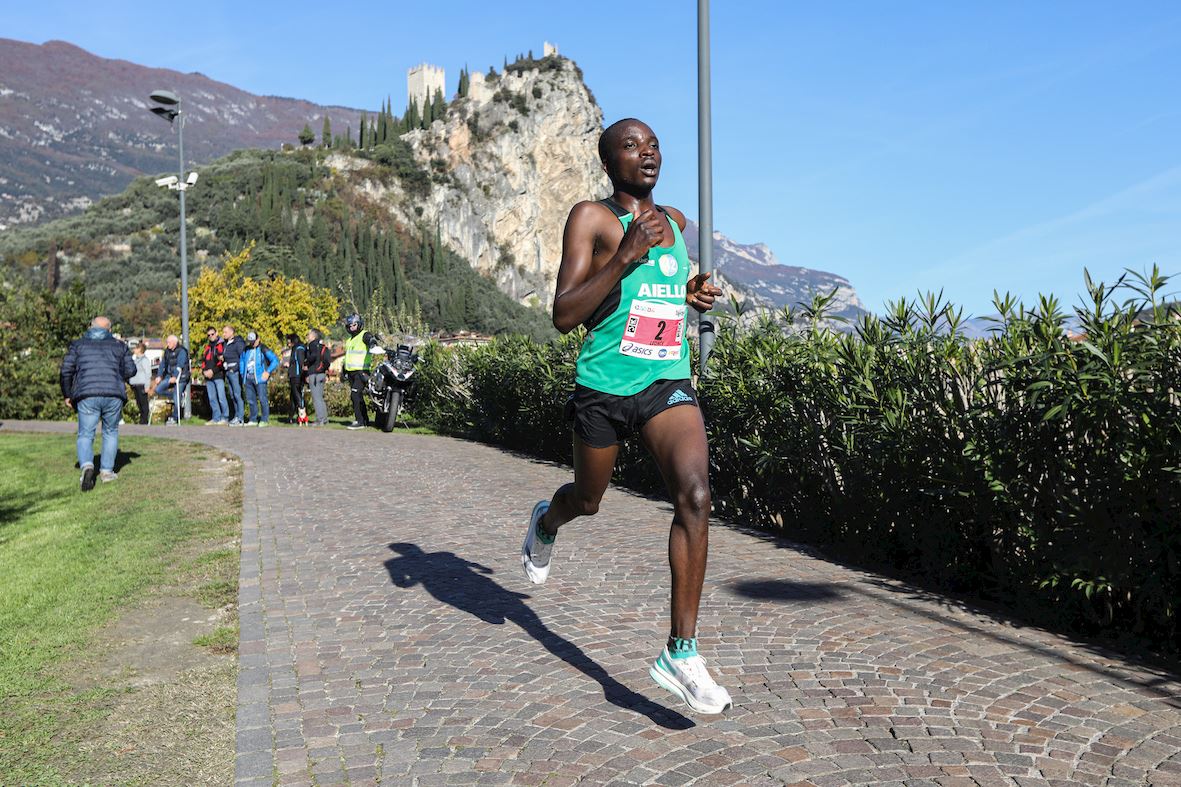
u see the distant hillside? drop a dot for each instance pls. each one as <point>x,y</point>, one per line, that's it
<point>758,275</point>
<point>75,127</point>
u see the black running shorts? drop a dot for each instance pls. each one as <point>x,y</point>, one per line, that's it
<point>602,420</point>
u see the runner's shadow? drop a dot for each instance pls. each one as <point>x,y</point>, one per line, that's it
<point>467,586</point>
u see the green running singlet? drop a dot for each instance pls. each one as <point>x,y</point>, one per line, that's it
<point>637,334</point>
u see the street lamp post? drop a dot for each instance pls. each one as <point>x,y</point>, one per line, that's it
<point>705,203</point>
<point>171,112</point>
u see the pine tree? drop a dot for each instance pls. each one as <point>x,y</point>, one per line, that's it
<point>412,118</point>
<point>306,137</point>
<point>326,133</point>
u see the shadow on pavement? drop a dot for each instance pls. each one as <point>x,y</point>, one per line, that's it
<point>782,590</point>
<point>467,586</point>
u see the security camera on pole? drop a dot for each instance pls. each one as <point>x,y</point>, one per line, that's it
<point>171,112</point>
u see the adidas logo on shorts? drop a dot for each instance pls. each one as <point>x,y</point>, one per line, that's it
<point>679,396</point>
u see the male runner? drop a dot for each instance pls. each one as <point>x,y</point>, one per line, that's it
<point>625,275</point>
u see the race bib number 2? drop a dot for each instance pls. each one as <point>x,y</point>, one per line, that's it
<point>654,331</point>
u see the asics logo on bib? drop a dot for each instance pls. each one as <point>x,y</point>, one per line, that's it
<point>679,396</point>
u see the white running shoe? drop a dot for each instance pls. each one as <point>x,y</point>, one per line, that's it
<point>535,553</point>
<point>691,681</point>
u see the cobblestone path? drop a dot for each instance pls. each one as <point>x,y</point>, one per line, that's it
<point>388,635</point>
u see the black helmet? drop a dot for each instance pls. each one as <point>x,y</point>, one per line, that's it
<point>354,322</point>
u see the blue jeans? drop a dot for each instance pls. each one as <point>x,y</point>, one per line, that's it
<point>235,385</point>
<point>215,392</point>
<point>256,397</point>
<point>174,392</point>
<point>90,410</point>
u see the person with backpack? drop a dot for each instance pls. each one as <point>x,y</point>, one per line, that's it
<point>319,357</point>
<point>297,369</point>
<point>257,365</point>
<point>213,369</point>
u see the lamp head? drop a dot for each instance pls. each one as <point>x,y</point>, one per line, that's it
<point>166,97</point>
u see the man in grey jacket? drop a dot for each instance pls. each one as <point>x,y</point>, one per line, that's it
<point>94,377</point>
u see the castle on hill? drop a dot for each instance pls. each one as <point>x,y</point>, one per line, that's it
<point>424,79</point>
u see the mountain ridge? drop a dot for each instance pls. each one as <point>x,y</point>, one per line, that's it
<point>74,126</point>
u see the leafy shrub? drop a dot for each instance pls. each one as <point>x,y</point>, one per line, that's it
<point>36,328</point>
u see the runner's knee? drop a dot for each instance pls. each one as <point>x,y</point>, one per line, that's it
<point>693,501</point>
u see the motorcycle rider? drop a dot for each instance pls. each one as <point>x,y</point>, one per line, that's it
<point>357,362</point>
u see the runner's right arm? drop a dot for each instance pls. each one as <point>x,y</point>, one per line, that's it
<point>580,288</point>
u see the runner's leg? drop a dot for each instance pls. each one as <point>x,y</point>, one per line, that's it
<point>592,474</point>
<point>676,439</point>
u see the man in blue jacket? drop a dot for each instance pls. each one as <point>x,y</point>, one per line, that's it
<point>94,377</point>
<point>257,365</point>
<point>172,378</point>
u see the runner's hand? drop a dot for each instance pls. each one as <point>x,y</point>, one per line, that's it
<point>645,231</point>
<point>700,294</point>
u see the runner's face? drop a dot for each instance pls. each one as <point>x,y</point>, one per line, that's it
<point>635,156</point>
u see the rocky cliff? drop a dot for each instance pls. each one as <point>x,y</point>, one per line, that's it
<point>507,164</point>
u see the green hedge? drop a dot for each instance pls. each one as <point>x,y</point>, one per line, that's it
<point>1038,466</point>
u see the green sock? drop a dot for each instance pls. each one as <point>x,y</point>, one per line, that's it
<point>543,536</point>
<point>682,647</point>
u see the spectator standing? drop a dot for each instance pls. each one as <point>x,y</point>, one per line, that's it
<point>213,369</point>
<point>357,362</point>
<point>232,349</point>
<point>319,356</point>
<point>94,377</point>
<point>297,370</point>
<point>173,377</point>
<point>141,380</point>
<point>257,364</point>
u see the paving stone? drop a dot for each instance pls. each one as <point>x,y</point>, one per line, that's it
<point>386,629</point>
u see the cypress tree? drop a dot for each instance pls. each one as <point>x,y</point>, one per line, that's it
<point>326,133</point>
<point>439,108</point>
<point>364,141</point>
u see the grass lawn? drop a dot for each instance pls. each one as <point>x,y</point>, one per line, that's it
<point>73,566</point>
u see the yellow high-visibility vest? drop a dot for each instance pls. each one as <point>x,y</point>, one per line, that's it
<point>356,354</point>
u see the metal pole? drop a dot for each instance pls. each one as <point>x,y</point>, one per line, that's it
<point>705,204</point>
<point>184,268</point>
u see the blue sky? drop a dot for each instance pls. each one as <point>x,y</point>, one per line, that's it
<point>907,146</point>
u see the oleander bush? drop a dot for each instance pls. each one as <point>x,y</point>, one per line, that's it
<point>1038,466</point>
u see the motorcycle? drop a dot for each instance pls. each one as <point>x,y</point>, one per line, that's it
<point>391,380</point>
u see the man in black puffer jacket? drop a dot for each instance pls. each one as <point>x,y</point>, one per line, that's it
<point>94,379</point>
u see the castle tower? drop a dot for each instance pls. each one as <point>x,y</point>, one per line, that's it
<point>549,49</point>
<point>478,90</point>
<point>422,81</point>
